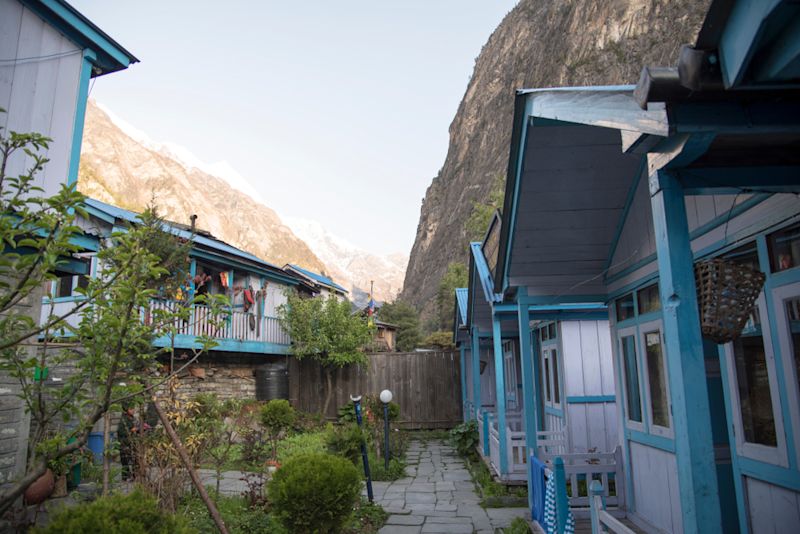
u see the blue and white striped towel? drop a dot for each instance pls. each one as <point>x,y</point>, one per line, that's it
<point>550,510</point>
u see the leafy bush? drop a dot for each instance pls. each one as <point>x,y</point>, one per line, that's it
<point>312,442</point>
<point>345,441</point>
<point>465,438</point>
<point>378,472</point>
<point>315,492</point>
<point>518,526</point>
<point>367,518</point>
<point>371,410</point>
<point>308,422</point>
<point>135,513</point>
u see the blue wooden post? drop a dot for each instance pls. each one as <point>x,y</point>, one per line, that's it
<point>192,274</point>
<point>595,490</point>
<point>528,388</point>
<point>476,372</point>
<point>500,388</point>
<point>694,447</point>
<point>562,503</point>
<point>464,414</point>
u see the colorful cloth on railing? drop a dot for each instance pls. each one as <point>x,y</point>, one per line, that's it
<point>538,478</point>
<point>550,510</point>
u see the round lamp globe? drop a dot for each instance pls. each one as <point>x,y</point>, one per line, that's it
<point>386,396</point>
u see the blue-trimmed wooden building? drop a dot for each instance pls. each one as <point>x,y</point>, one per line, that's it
<point>251,336</point>
<point>613,196</point>
<point>49,53</point>
<point>538,365</point>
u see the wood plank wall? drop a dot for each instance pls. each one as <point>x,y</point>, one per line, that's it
<point>426,385</point>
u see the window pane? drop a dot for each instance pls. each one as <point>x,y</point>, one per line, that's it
<point>793,316</point>
<point>64,286</point>
<point>658,381</point>
<point>752,378</point>
<point>556,396</point>
<point>632,393</point>
<point>784,248</point>
<point>551,331</point>
<point>546,377</point>
<point>624,307</point>
<point>649,299</point>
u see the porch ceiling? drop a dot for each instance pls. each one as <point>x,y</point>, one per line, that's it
<point>574,185</point>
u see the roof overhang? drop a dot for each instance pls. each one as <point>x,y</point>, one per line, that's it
<point>109,56</point>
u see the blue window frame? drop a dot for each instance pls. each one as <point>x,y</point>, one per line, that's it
<point>630,364</point>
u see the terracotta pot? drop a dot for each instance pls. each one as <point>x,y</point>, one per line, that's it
<point>60,489</point>
<point>41,489</point>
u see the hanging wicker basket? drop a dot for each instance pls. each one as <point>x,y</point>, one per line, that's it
<point>726,294</point>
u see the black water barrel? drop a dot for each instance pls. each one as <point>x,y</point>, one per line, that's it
<point>272,381</point>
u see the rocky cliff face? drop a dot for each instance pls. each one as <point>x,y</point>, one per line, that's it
<point>540,43</point>
<point>120,170</point>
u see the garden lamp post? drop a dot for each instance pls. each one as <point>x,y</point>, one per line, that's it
<point>386,398</point>
<point>357,405</point>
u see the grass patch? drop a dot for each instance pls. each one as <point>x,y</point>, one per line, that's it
<point>367,518</point>
<point>238,516</point>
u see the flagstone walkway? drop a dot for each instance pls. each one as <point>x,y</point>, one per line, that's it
<point>437,496</point>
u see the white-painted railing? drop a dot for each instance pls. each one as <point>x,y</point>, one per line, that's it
<point>602,520</point>
<point>551,443</point>
<point>235,325</point>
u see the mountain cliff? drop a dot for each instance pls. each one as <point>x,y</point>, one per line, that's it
<point>121,166</point>
<point>540,43</point>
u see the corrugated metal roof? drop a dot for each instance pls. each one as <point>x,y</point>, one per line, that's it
<point>462,294</point>
<point>179,230</point>
<point>324,280</point>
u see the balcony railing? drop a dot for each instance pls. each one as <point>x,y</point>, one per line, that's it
<point>232,325</point>
<point>517,459</point>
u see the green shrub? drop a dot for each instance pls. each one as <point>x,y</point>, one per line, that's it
<point>518,526</point>
<point>366,518</point>
<point>465,438</point>
<point>345,441</point>
<point>277,415</point>
<point>378,472</point>
<point>315,493</point>
<point>370,405</point>
<point>135,513</point>
<point>312,442</point>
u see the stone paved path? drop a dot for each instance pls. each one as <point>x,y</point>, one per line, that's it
<point>437,496</point>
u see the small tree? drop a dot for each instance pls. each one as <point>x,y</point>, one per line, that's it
<point>277,416</point>
<point>325,331</point>
<point>455,276</point>
<point>482,212</point>
<point>406,318</point>
<point>111,341</point>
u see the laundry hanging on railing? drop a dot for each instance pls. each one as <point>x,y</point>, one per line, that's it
<point>550,510</point>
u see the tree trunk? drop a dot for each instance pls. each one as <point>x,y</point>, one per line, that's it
<point>328,390</point>
<point>176,442</point>
<point>106,451</point>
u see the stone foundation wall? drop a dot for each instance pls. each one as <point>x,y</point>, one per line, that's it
<point>225,374</point>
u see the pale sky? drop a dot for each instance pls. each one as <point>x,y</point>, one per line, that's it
<point>336,111</point>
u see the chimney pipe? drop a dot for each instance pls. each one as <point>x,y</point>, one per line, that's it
<point>193,218</point>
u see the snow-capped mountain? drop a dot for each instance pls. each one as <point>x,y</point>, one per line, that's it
<point>122,165</point>
<point>351,266</point>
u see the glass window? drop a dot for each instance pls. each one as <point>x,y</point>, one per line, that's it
<point>632,392</point>
<point>546,376</point>
<point>659,404</point>
<point>551,331</point>
<point>793,316</point>
<point>784,248</point>
<point>649,299</point>
<point>752,377</point>
<point>746,255</point>
<point>624,307</point>
<point>556,396</point>
<point>64,286</point>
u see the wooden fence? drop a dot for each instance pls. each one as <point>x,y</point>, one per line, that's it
<point>426,385</point>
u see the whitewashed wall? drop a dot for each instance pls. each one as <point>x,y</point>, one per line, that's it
<point>655,484</point>
<point>39,94</point>
<point>589,371</point>
<point>276,297</point>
